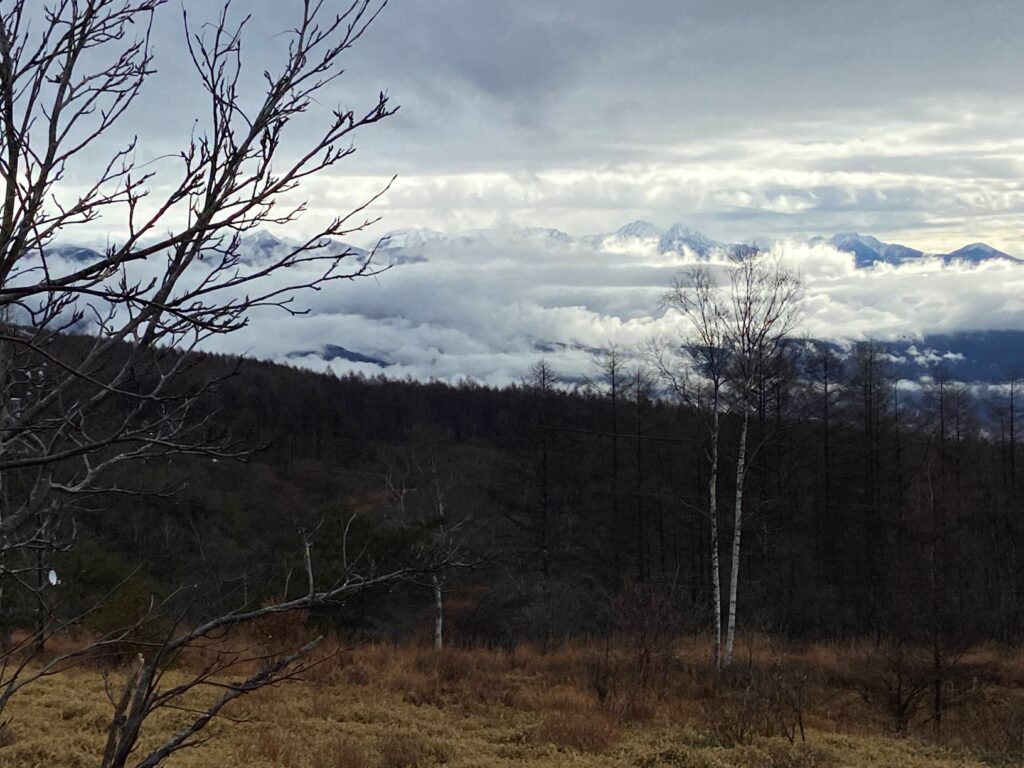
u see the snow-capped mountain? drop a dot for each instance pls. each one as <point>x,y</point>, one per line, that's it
<point>329,352</point>
<point>417,237</point>
<point>638,233</point>
<point>868,250</point>
<point>640,230</point>
<point>679,239</point>
<point>415,245</point>
<point>976,253</point>
<point>75,253</point>
<point>542,235</point>
<point>262,247</point>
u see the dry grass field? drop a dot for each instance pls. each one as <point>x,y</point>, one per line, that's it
<point>407,707</point>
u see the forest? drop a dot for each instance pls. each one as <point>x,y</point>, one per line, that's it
<point>873,510</point>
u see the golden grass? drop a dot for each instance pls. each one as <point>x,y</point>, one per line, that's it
<point>386,707</point>
<point>582,731</point>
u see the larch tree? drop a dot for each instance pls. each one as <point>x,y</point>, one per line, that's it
<point>611,382</point>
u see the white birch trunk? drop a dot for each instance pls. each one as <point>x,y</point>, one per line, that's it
<point>438,615</point>
<point>716,573</point>
<point>741,472</point>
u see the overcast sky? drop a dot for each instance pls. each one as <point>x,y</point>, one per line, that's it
<point>745,119</point>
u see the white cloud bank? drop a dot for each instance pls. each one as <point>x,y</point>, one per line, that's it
<point>486,305</point>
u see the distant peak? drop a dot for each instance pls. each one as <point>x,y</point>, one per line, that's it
<point>856,237</point>
<point>868,250</point>
<point>410,238</point>
<point>640,229</point>
<point>978,252</point>
<point>262,237</point>
<point>682,229</point>
<point>680,237</point>
<point>978,247</point>
<point>543,232</point>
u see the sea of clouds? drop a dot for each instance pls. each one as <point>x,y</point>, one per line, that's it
<point>488,305</point>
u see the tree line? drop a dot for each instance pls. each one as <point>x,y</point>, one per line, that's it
<point>870,507</point>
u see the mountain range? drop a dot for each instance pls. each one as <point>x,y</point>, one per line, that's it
<point>412,245</point>
<point>867,251</point>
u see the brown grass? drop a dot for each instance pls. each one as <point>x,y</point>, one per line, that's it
<point>410,750</point>
<point>385,706</point>
<point>582,731</point>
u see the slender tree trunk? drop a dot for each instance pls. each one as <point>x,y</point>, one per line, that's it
<point>41,608</point>
<point>1013,435</point>
<point>716,573</point>
<point>642,570</point>
<point>661,535</point>
<point>615,526</point>
<point>545,513</point>
<point>741,471</point>
<point>438,614</point>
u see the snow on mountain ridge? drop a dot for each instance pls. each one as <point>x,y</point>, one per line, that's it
<point>409,245</point>
<point>974,253</point>
<point>679,237</point>
<point>415,237</point>
<point>415,244</point>
<point>640,230</point>
<point>868,250</point>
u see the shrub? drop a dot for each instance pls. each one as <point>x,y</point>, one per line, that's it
<point>410,751</point>
<point>896,678</point>
<point>344,753</point>
<point>993,730</point>
<point>585,732</point>
<point>776,754</point>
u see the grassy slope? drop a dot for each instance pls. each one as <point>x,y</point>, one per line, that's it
<point>388,708</point>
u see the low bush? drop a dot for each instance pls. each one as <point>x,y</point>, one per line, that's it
<point>582,731</point>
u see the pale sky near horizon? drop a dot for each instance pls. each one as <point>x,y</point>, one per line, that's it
<point>744,119</point>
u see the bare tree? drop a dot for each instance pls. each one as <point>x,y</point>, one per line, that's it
<point>420,484</point>
<point>764,309</point>
<point>543,380</point>
<point>146,689</point>
<point>642,390</point>
<point>95,370</point>
<point>610,382</point>
<point>735,334</point>
<point>697,297</point>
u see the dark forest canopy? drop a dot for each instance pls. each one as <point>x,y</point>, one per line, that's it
<point>868,513</point>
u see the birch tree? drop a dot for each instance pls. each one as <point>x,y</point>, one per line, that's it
<point>698,298</point>
<point>733,334</point>
<point>764,307</point>
<point>421,483</point>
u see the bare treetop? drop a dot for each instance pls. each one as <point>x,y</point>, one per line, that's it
<point>95,370</point>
